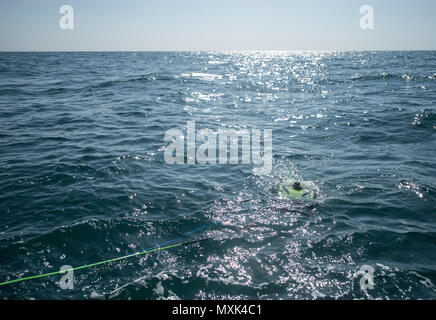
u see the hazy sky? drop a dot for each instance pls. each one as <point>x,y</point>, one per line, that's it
<point>217,25</point>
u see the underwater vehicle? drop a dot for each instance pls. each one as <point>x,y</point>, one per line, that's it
<point>298,190</point>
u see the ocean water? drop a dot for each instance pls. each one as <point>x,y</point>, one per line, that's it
<point>83,176</point>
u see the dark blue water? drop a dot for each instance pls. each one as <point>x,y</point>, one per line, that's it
<point>83,176</point>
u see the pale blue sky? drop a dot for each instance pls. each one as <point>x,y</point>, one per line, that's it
<point>217,25</point>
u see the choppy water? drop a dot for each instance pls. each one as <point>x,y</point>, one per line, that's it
<point>83,177</point>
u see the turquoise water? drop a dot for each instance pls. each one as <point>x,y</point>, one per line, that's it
<point>83,176</point>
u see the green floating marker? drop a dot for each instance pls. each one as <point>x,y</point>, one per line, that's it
<point>298,190</point>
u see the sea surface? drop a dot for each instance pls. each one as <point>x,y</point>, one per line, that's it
<point>83,176</point>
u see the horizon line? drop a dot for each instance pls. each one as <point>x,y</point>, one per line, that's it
<point>226,50</point>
